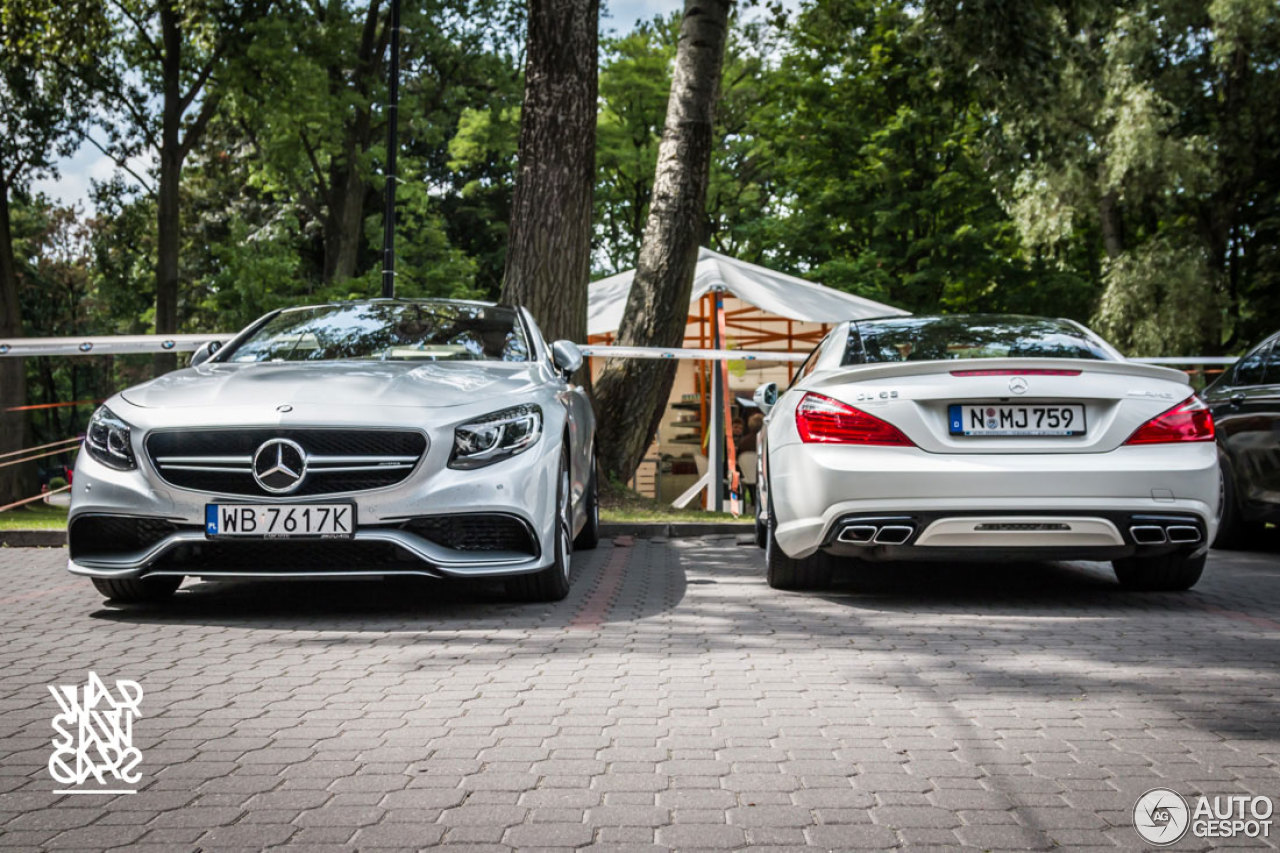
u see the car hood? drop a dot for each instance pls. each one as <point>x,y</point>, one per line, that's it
<point>357,383</point>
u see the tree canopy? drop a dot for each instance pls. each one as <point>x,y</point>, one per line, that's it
<point>1112,162</point>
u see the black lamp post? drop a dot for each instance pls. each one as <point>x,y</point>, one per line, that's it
<point>393,107</point>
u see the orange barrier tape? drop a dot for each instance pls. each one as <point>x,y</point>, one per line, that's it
<point>34,406</point>
<point>38,456</point>
<point>39,447</point>
<point>33,500</point>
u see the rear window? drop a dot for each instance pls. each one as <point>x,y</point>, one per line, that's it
<point>969,337</point>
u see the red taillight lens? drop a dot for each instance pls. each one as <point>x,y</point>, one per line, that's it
<point>824,420</point>
<point>1190,420</point>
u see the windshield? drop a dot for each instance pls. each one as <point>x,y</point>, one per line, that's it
<point>973,336</point>
<point>386,331</point>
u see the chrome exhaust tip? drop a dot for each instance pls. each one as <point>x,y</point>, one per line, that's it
<point>858,534</point>
<point>1148,534</point>
<point>894,534</point>
<point>1183,534</point>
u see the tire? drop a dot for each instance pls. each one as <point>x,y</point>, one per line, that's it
<point>1166,573</point>
<point>762,532</point>
<point>785,572</point>
<point>551,583</point>
<point>589,536</point>
<point>1234,532</point>
<point>137,590</point>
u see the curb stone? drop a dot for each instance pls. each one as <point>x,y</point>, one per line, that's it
<point>33,538</point>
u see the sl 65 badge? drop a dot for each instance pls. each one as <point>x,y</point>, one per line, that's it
<point>877,395</point>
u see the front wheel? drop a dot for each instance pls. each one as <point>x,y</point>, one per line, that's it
<point>1166,573</point>
<point>589,536</point>
<point>551,583</point>
<point>785,572</point>
<point>137,590</point>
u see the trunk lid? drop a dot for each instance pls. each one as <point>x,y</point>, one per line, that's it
<point>1116,397</point>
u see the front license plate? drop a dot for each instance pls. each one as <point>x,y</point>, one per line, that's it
<point>993,419</point>
<point>268,521</point>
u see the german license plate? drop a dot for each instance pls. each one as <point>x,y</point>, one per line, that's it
<point>276,521</point>
<point>1032,419</point>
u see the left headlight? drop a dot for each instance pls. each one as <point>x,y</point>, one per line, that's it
<point>497,436</point>
<point>109,441</point>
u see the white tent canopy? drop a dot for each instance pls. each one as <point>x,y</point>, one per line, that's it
<point>770,291</point>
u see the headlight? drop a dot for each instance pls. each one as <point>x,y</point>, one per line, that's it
<point>108,441</point>
<point>497,436</point>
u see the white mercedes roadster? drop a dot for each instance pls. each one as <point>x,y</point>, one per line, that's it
<point>984,437</point>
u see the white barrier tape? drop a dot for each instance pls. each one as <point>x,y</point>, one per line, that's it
<point>1209,359</point>
<point>108,345</point>
<point>599,351</point>
<point>151,344</point>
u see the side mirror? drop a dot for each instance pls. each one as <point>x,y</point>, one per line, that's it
<point>766,395</point>
<point>205,352</point>
<point>566,356</point>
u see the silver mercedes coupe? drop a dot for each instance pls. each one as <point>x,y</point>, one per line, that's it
<point>362,439</point>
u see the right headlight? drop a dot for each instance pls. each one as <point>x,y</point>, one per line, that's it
<point>497,436</point>
<point>108,440</point>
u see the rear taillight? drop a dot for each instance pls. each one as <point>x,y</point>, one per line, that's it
<point>824,420</point>
<point>1190,420</point>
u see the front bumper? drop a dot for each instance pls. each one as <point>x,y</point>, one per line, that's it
<point>817,490</point>
<point>394,532</point>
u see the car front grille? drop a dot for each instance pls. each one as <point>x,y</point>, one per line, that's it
<point>112,535</point>
<point>220,461</point>
<point>476,532</point>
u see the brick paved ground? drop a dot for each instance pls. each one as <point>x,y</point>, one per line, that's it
<point>673,700</point>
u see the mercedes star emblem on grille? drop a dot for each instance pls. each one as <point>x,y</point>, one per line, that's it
<point>279,465</point>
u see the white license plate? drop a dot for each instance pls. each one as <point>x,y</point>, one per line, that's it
<point>275,521</point>
<point>1031,419</point>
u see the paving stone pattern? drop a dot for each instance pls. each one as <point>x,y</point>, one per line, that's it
<point>673,701</point>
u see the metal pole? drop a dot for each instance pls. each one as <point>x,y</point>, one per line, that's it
<point>393,108</point>
<point>715,447</point>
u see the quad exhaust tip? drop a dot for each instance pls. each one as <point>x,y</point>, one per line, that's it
<point>1154,534</point>
<point>874,534</point>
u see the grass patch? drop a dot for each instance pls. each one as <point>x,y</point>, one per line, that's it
<point>618,503</point>
<point>34,516</point>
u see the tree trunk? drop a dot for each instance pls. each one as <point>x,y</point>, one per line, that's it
<point>168,227</point>
<point>549,250</point>
<point>631,394</point>
<point>16,481</point>
<point>344,225</point>
<point>348,187</point>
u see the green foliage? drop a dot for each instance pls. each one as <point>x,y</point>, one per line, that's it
<point>1145,138</point>
<point>1114,162</point>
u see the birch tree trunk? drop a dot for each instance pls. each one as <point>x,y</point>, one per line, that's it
<point>549,251</point>
<point>631,394</point>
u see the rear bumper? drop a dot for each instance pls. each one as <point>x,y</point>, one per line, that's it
<point>816,491</point>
